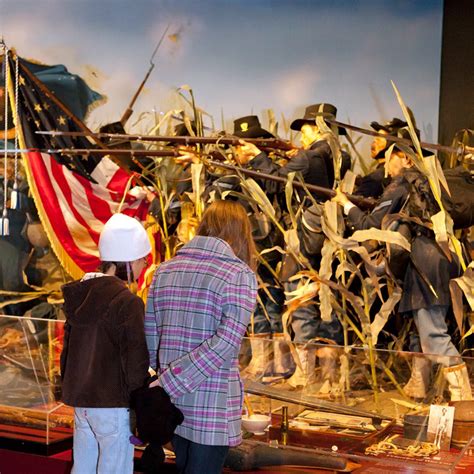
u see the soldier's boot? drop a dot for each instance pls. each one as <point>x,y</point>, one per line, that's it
<point>328,357</point>
<point>305,366</point>
<point>261,362</point>
<point>459,385</point>
<point>283,363</point>
<point>418,384</point>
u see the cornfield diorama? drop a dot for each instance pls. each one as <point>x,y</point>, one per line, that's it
<point>364,375</point>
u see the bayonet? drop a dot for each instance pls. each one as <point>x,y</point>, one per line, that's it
<point>126,115</point>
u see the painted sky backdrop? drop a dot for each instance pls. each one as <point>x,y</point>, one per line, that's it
<point>242,57</point>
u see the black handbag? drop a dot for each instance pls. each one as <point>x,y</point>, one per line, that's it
<point>157,417</point>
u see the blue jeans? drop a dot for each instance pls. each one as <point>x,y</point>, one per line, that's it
<point>101,441</point>
<point>433,336</point>
<point>195,458</point>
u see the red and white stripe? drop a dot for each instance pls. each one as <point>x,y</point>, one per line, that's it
<point>76,208</point>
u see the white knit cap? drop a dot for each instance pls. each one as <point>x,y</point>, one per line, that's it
<point>123,239</point>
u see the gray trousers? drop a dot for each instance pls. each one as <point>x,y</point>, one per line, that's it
<point>433,336</point>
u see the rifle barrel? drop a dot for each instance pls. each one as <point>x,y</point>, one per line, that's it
<point>365,203</point>
<point>184,140</point>
<point>432,146</point>
<point>111,151</point>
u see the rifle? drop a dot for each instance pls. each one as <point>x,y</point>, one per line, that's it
<point>273,143</point>
<point>362,202</point>
<point>365,203</point>
<point>263,143</point>
<point>462,150</point>
<point>129,111</point>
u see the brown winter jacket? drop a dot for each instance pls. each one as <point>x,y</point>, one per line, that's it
<point>105,356</point>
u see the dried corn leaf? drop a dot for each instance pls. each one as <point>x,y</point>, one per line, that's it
<point>458,287</point>
<point>330,135</point>
<point>411,126</point>
<point>166,118</point>
<point>431,166</point>
<point>382,316</point>
<point>469,333</point>
<point>292,241</point>
<point>348,182</point>
<point>272,123</point>
<point>345,267</point>
<point>303,295</point>
<point>198,186</point>
<point>330,216</point>
<point>289,198</point>
<point>471,329</point>
<point>442,177</point>
<point>286,125</point>
<point>276,247</point>
<point>387,236</point>
<point>440,228</point>
<point>404,403</point>
<point>258,195</point>
<point>325,271</point>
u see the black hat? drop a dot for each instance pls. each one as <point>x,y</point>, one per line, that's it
<point>390,127</point>
<point>249,127</point>
<point>395,124</point>
<point>327,111</point>
<point>113,127</point>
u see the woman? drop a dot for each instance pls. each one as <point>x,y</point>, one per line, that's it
<point>105,356</point>
<point>198,309</point>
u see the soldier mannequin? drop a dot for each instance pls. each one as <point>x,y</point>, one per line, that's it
<point>315,163</point>
<point>427,309</point>
<point>270,354</point>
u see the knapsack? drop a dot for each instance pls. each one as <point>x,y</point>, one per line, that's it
<point>460,204</point>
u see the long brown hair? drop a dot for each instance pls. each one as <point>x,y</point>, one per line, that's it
<point>228,221</point>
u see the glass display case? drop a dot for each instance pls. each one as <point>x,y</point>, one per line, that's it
<point>32,417</point>
<point>352,405</point>
<point>322,405</point>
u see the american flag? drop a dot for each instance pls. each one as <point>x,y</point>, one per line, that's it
<point>75,195</point>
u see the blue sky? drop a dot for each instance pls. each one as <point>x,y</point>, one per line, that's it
<point>243,56</point>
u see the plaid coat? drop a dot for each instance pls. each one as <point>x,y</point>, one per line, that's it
<point>198,309</point>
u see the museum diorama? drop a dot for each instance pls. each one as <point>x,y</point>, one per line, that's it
<point>262,291</point>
